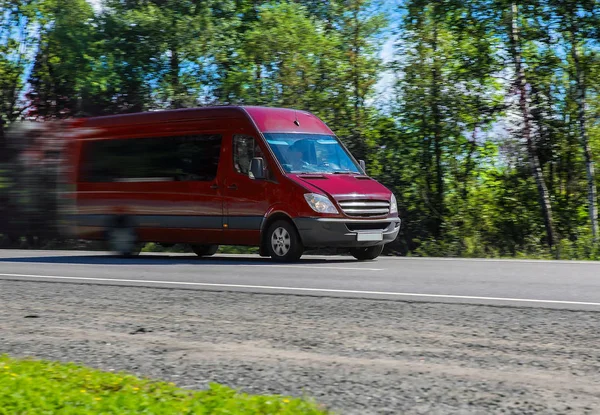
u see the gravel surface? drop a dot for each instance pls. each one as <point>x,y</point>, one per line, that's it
<point>355,356</point>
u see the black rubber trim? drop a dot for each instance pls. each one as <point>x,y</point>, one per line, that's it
<point>245,222</point>
<point>176,221</point>
<point>334,233</point>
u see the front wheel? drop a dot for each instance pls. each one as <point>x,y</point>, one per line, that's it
<point>367,254</point>
<point>205,250</point>
<point>283,242</point>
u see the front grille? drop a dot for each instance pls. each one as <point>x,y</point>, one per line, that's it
<point>365,208</point>
<point>366,226</point>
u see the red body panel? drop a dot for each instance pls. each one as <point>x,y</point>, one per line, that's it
<point>284,120</point>
<point>234,206</point>
<point>346,186</point>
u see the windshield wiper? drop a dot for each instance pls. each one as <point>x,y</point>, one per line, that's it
<point>344,172</point>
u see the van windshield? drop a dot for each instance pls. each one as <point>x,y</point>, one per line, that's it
<point>311,153</point>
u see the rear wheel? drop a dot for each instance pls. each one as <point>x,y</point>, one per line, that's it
<point>205,250</point>
<point>283,242</point>
<point>122,239</point>
<point>367,254</point>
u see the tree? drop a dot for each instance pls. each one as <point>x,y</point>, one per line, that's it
<point>579,23</point>
<point>515,49</point>
<point>19,23</point>
<point>360,22</point>
<point>162,43</point>
<point>447,99</point>
<point>61,73</point>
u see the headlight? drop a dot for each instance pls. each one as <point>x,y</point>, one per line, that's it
<point>320,203</point>
<point>393,205</point>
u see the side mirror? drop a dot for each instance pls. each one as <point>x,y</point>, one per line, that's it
<point>257,169</point>
<point>363,166</point>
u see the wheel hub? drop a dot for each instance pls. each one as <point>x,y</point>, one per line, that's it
<point>281,241</point>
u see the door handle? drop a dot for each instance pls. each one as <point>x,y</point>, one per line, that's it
<point>214,187</point>
<point>232,187</point>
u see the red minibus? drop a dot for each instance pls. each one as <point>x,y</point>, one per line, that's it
<point>274,178</point>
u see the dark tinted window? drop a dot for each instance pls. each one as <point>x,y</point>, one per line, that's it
<point>184,158</point>
<point>245,148</point>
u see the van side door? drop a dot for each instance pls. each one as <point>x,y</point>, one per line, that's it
<point>202,167</point>
<point>246,200</point>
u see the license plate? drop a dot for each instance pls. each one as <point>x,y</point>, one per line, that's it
<point>369,236</point>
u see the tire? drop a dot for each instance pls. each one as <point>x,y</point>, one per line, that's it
<point>122,240</point>
<point>367,254</point>
<point>205,250</point>
<point>283,242</point>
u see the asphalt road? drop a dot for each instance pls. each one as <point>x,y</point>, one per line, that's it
<point>526,343</point>
<point>549,284</point>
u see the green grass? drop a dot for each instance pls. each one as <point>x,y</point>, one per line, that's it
<point>35,387</point>
<point>183,248</point>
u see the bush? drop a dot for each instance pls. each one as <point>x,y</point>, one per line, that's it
<point>40,387</point>
<point>184,248</point>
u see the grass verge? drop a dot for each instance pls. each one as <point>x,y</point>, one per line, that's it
<point>41,387</point>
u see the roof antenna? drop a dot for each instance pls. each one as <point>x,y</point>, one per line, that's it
<point>296,120</point>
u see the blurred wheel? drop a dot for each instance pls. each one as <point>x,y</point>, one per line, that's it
<point>205,250</point>
<point>367,254</point>
<point>122,240</point>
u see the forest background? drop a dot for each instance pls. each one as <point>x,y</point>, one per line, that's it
<point>482,116</point>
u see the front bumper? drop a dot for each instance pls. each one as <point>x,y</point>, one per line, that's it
<point>346,233</point>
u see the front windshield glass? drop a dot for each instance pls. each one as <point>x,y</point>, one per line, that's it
<point>311,153</point>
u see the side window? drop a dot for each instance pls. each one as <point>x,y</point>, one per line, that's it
<point>178,158</point>
<point>198,157</point>
<point>245,148</point>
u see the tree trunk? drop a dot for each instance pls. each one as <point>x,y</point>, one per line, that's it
<point>175,83</point>
<point>583,133</point>
<point>437,131</point>
<point>359,146</point>
<point>534,161</point>
<point>355,71</point>
<point>469,164</point>
<point>544,136</point>
<point>259,81</point>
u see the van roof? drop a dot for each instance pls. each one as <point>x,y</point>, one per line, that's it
<point>266,119</point>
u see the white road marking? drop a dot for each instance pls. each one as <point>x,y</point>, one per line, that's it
<point>7,254</point>
<point>500,260</point>
<point>299,289</point>
<point>305,267</point>
<point>218,264</point>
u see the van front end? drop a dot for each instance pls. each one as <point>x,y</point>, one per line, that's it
<point>359,223</point>
<point>338,204</point>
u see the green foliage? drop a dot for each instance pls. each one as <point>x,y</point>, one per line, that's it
<point>4,180</point>
<point>19,22</point>
<point>182,248</point>
<point>279,59</point>
<point>450,143</point>
<point>154,247</point>
<point>459,165</point>
<point>41,387</point>
<point>61,77</point>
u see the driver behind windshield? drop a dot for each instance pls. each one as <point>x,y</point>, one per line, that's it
<point>296,156</point>
<point>312,155</point>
